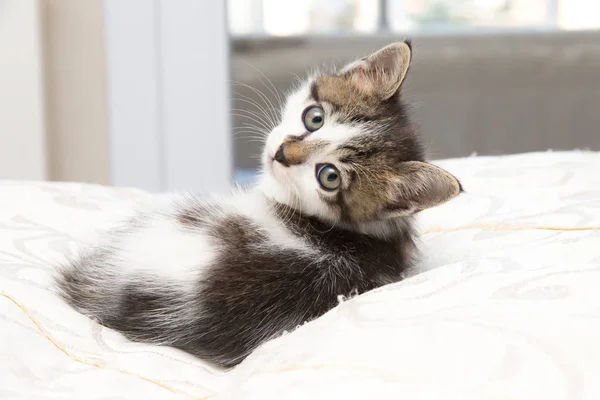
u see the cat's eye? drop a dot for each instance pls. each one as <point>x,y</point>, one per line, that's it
<point>328,176</point>
<point>313,118</point>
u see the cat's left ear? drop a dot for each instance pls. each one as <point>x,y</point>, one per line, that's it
<point>418,186</point>
<point>382,72</point>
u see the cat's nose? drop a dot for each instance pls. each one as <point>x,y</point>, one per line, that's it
<point>280,156</point>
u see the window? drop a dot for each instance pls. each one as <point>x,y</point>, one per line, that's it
<point>299,17</point>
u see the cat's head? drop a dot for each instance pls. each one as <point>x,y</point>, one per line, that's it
<point>346,151</point>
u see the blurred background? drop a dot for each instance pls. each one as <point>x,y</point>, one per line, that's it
<point>170,94</point>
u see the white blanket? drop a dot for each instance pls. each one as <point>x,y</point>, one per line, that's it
<point>509,309</point>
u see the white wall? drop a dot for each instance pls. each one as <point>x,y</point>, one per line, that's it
<point>132,57</point>
<point>168,85</point>
<point>22,133</point>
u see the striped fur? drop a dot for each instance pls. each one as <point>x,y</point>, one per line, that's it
<point>219,276</point>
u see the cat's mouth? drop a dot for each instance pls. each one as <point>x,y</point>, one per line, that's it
<point>270,158</point>
<point>274,168</point>
<point>269,163</point>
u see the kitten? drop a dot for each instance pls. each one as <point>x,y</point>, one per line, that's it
<point>343,173</point>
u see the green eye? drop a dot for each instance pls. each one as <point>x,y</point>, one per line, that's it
<point>313,118</point>
<point>328,176</point>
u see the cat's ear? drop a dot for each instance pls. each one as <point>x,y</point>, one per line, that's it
<point>382,72</point>
<point>418,186</point>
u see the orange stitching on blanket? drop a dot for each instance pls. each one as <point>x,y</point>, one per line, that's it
<point>43,332</point>
<point>510,228</point>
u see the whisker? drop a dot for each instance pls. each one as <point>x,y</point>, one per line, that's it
<point>260,107</point>
<point>244,135</point>
<point>268,116</point>
<point>257,117</point>
<point>274,91</point>
<point>252,133</point>
<point>263,97</point>
<point>250,100</point>
<point>258,122</point>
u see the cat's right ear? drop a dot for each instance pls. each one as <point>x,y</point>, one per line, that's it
<point>418,186</point>
<point>382,73</point>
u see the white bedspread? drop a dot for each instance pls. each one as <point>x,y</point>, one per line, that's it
<point>510,308</point>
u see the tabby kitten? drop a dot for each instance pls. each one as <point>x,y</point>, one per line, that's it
<point>343,173</point>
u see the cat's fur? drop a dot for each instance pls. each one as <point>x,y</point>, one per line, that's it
<point>218,277</point>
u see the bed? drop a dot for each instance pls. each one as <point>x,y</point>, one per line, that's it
<point>505,303</point>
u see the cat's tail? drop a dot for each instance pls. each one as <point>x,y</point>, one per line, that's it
<point>89,285</point>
